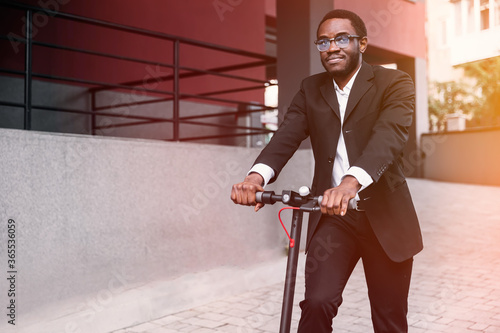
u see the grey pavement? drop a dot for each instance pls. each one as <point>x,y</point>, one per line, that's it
<point>455,285</point>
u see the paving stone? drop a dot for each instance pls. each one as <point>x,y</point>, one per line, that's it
<point>445,320</point>
<point>272,326</point>
<point>205,330</point>
<point>167,320</point>
<point>235,321</point>
<point>190,328</point>
<point>178,325</point>
<point>212,316</point>
<point>479,327</point>
<point>188,314</point>
<point>462,323</point>
<point>163,330</point>
<point>230,329</point>
<point>245,306</point>
<point>205,323</point>
<point>144,327</point>
<point>239,313</point>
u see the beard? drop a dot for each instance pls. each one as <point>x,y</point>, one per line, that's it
<point>346,67</point>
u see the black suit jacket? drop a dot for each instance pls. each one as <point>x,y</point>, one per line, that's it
<point>378,115</point>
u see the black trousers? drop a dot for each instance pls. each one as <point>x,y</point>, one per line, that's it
<point>336,247</point>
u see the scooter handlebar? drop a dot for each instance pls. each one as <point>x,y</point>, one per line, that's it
<point>307,203</point>
<point>268,197</point>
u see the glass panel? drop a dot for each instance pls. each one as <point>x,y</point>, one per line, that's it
<point>485,14</point>
<point>470,16</point>
<point>458,17</point>
<point>497,12</point>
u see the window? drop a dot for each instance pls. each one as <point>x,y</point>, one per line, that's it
<point>497,12</point>
<point>470,16</point>
<point>484,7</point>
<point>458,17</point>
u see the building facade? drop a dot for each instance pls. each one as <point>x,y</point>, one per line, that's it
<point>460,32</point>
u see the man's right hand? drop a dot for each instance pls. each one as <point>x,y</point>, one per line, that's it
<point>244,193</point>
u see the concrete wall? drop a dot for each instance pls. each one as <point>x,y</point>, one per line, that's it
<point>464,157</point>
<point>112,232</point>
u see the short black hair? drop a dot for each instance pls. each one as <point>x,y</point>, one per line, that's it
<point>356,21</point>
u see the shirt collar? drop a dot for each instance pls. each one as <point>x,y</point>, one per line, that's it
<point>348,86</point>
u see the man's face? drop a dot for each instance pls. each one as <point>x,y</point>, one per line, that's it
<point>341,63</point>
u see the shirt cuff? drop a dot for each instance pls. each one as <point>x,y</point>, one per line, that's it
<point>361,175</point>
<point>264,170</point>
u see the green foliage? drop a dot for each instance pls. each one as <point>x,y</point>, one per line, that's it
<point>486,74</point>
<point>451,97</point>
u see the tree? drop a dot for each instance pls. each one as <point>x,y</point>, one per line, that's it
<point>446,98</point>
<point>486,74</point>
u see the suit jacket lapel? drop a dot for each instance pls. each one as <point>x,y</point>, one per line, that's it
<point>361,84</point>
<point>328,92</point>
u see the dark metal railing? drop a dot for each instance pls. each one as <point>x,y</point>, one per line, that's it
<point>175,95</point>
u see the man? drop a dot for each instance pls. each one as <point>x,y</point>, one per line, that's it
<point>357,117</point>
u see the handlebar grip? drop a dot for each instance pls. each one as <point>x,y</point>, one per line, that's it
<point>267,197</point>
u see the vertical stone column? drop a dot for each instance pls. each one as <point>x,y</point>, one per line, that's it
<point>297,22</point>
<point>416,67</point>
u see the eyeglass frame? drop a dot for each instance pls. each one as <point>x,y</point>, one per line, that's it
<point>335,40</point>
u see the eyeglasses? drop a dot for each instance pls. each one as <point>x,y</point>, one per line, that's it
<point>341,41</point>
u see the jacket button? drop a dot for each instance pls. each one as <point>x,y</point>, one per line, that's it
<point>330,160</point>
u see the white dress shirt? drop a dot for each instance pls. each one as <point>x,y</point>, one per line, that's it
<point>341,166</point>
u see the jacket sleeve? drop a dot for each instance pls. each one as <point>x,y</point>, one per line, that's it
<point>287,139</point>
<point>391,130</point>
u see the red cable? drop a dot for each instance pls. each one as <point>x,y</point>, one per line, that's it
<point>292,241</point>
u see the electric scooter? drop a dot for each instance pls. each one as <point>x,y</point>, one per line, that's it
<point>300,202</point>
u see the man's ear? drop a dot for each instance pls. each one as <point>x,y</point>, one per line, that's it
<point>363,44</point>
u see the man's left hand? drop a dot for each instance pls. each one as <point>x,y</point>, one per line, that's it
<point>336,200</point>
